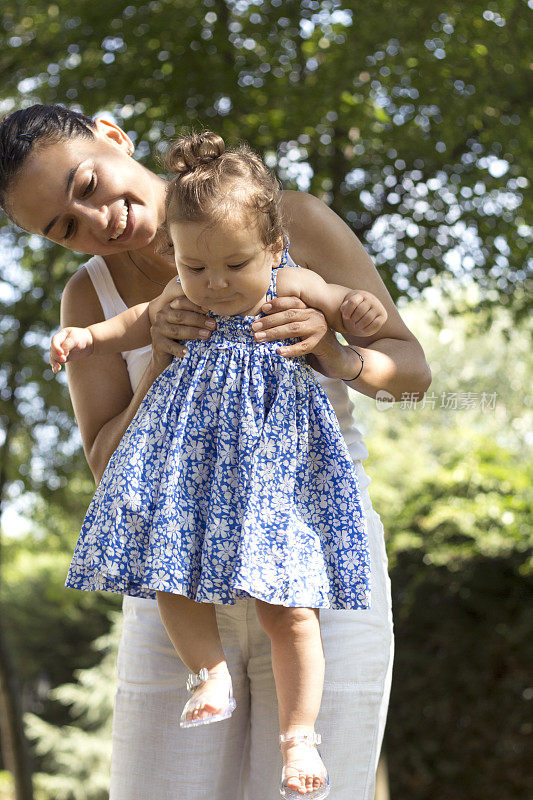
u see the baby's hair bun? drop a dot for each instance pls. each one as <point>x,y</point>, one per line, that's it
<point>188,152</point>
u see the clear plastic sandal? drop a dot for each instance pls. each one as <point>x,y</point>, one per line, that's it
<point>301,765</point>
<point>222,697</point>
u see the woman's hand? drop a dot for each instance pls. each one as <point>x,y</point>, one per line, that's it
<point>289,317</point>
<point>175,318</point>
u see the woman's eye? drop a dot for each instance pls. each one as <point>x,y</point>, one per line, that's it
<point>90,186</point>
<point>69,231</point>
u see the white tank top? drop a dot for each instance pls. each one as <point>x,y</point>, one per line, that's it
<point>137,360</point>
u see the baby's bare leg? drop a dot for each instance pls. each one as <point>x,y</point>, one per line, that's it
<point>298,666</point>
<point>193,630</point>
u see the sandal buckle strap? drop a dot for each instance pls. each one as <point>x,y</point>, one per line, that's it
<point>301,738</point>
<point>193,681</point>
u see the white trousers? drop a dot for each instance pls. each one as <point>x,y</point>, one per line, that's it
<point>239,759</point>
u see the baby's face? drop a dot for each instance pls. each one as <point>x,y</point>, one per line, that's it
<point>224,268</point>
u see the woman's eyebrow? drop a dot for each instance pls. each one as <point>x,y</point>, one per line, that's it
<point>70,179</point>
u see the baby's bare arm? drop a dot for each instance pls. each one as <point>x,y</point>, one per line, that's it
<point>353,312</point>
<point>131,329</point>
<point>126,331</point>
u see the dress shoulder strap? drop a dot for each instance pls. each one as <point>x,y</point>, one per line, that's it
<point>104,286</point>
<point>286,261</point>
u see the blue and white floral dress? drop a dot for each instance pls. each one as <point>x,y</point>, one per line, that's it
<point>233,479</point>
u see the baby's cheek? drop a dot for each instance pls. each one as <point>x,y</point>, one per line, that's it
<point>193,292</point>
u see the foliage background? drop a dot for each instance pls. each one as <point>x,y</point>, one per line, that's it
<point>411,121</point>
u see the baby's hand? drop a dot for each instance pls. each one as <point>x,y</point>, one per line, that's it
<point>362,313</point>
<point>68,345</point>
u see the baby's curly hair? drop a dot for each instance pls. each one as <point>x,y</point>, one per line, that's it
<point>213,184</point>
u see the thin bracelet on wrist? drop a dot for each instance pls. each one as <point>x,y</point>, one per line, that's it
<point>348,380</point>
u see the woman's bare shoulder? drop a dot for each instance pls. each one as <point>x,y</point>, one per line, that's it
<point>299,209</point>
<point>315,230</point>
<point>324,243</point>
<point>80,305</point>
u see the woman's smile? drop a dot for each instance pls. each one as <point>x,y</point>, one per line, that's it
<point>123,224</point>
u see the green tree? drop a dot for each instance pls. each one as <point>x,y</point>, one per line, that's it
<point>51,630</point>
<point>453,488</point>
<point>77,756</point>
<point>462,590</point>
<point>410,120</point>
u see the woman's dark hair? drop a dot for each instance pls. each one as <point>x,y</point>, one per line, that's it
<point>212,183</point>
<point>22,130</point>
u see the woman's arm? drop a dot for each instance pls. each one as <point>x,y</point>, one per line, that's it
<point>100,389</point>
<point>321,241</point>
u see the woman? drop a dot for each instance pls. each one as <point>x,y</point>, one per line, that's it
<point>75,182</point>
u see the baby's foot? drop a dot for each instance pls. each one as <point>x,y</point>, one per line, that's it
<point>209,699</point>
<point>303,770</point>
<point>212,699</point>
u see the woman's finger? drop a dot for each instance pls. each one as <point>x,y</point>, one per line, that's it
<point>289,316</point>
<point>183,302</point>
<point>191,320</point>
<point>183,317</point>
<point>282,304</point>
<point>180,316</point>
<point>302,348</point>
<point>289,324</point>
<point>173,348</point>
<point>171,331</point>
<point>293,330</point>
<point>167,346</point>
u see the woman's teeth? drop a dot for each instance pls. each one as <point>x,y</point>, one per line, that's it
<point>123,221</point>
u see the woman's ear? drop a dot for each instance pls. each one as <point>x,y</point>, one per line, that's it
<point>163,244</point>
<point>112,133</point>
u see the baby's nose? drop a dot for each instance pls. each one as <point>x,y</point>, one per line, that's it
<point>217,282</point>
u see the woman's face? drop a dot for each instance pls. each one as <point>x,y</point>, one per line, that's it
<point>89,194</point>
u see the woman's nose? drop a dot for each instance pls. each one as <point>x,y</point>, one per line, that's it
<point>97,217</point>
